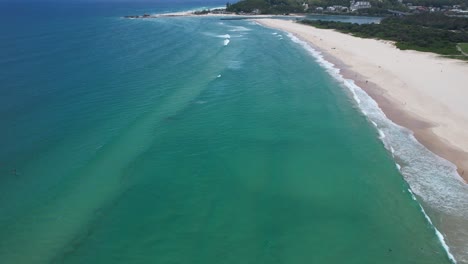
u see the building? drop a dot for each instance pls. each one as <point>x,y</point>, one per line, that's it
<point>340,8</point>
<point>359,5</point>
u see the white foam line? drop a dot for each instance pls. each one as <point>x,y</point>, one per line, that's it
<point>381,134</point>
<point>398,166</point>
<point>353,88</point>
<point>239,29</point>
<point>438,233</point>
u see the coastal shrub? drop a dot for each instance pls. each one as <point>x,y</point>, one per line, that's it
<point>463,47</point>
<point>418,32</point>
<point>267,6</point>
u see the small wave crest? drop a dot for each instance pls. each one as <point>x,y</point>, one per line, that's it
<point>239,29</point>
<point>226,42</point>
<point>381,134</point>
<point>398,166</point>
<point>433,179</point>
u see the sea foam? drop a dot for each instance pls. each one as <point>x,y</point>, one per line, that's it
<point>239,28</point>
<point>431,178</point>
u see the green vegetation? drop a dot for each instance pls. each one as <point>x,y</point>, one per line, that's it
<point>426,32</point>
<point>463,47</point>
<point>266,6</point>
<point>432,32</point>
<point>379,7</point>
<point>202,12</point>
<point>437,21</point>
<point>439,3</point>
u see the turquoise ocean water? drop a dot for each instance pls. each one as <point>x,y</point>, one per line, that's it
<point>188,140</point>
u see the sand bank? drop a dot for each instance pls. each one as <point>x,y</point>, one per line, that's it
<point>192,13</point>
<point>421,91</point>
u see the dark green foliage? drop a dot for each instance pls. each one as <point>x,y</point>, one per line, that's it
<point>325,3</point>
<point>439,3</point>
<point>378,6</point>
<point>463,47</point>
<point>202,12</point>
<point>436,20</point>
<point>418,32</point>
<point>392,4</point>
<point>267,6</point>
<point>295,6</point>
<point>248,6</point>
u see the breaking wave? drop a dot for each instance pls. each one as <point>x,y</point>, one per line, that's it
<point>431,178</point>
<point>239,28</point>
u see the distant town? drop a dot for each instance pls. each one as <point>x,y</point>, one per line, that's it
<point>412,9</point>
<point>381,8</point>
<point>371,7</point>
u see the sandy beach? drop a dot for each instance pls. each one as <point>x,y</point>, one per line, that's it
<point>421,91</point>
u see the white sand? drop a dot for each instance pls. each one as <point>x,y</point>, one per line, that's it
<point>425,85</point>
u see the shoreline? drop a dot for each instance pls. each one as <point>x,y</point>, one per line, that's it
<point>421,127</point>
<point>378,83</point>
<point>428,162</point>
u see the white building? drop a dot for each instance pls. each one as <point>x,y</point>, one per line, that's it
<point>359,5</point>
<point>340,8</point>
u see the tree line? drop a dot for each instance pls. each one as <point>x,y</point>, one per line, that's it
<point>424,32</point>
<point>266,6</point>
